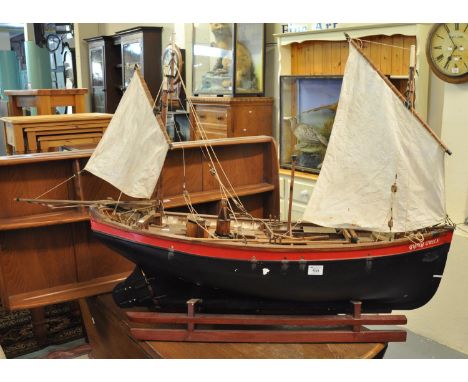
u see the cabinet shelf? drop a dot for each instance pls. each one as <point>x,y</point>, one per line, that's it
<point>42,220</point>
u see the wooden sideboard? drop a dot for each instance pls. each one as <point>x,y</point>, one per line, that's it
<point>50,256</point>
<point>223,117</point>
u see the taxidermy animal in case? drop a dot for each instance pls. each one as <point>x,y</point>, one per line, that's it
<point>312,129</point>
<point>245,72</point>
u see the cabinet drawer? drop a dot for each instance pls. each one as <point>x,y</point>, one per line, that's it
<point>211,134</point>
<point>216,116</point>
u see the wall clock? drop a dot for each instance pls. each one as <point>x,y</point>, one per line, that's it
<point>447,51</point>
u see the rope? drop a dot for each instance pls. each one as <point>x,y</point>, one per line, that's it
<point>380,43</point>
<point>116,204</point>
<point>58,185</point>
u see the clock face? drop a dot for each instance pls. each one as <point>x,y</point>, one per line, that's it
<point>447,51</point>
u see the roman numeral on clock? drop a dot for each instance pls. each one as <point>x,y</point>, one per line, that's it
<point>440,57</point>
<point>457,26</point>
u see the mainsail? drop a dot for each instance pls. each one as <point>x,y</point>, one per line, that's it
<point>381,165</point>
<point>132,151</point>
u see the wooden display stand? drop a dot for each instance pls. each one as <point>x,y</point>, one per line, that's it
<point>110,336</point>
<point>226,117</point>
<point>46,100</point>
<point>348,328</point>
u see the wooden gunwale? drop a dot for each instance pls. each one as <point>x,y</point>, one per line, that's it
<point>316,246</point>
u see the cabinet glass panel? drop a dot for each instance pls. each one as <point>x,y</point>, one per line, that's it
<point>307,112</point>
<point>212,58</point>
<point>97,67</point>
<point>131,56</point>
<point>249,58</point>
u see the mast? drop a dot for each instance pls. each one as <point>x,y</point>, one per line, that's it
<point>398,94</point>
<point>291,190</point>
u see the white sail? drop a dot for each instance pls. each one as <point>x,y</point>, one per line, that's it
<point>132,151</point>
<point>377,142</point>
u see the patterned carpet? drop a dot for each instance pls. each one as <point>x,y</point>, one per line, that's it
<point>63,322</point>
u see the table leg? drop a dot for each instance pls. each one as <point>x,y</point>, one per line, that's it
<point>18,139</point>
<point>39,325</point>
<point>79,104</point>
<point>32,143</point>
<point>13,108</point>
<point>43,105</point>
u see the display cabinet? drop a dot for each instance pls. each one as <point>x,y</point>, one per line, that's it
<point>142,47</point>
<point>228,59</point>
<point>307,111</point>
<point>104,74</point>
<point>112,61</point>
<point>226,117</point>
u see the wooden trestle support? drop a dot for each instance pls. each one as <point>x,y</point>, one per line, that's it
<point>277,328</point>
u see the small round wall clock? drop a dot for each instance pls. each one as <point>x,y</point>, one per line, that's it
<point>447,52</point>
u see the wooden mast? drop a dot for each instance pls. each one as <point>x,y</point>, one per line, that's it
<point>398,94</point>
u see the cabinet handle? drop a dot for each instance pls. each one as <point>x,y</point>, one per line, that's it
<point>220,118</point>
<point>201,116</point>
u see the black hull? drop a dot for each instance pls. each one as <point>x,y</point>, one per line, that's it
<point>402,282</point>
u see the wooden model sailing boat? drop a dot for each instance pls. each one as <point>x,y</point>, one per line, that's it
<point>376,230</point>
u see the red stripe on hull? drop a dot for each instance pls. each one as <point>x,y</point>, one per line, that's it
<point>247,253</point>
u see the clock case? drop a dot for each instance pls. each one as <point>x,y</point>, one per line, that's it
<point>444,77</point>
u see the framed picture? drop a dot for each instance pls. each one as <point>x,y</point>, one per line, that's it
<point>307,111</point>
<point>228,59</point>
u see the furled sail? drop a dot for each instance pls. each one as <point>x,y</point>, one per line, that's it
<point>132,151</point>
<point>381,165</point>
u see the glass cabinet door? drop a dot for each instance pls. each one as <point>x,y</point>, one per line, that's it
<point>131,56</point>
<point>98,99</point>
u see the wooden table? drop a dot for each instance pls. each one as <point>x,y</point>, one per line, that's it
<point>45,100</point>
<point>21,133</point>
<point>108,332</point>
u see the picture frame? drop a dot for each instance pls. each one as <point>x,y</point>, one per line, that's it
<point>307,111</point>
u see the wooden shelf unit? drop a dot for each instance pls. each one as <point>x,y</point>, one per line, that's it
<point>329,57</point>
<point>51,256</point>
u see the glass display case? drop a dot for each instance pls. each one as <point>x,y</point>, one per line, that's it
<point>307,111</point>
<point>228,59</point>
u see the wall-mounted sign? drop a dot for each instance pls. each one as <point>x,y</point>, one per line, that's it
<point>294,28</point>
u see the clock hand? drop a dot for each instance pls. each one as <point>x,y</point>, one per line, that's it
<point>449,58</point>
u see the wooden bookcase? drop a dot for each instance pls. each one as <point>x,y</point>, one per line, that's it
<point>50,256</point>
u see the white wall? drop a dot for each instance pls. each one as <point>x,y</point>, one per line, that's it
<point>445,318</point>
